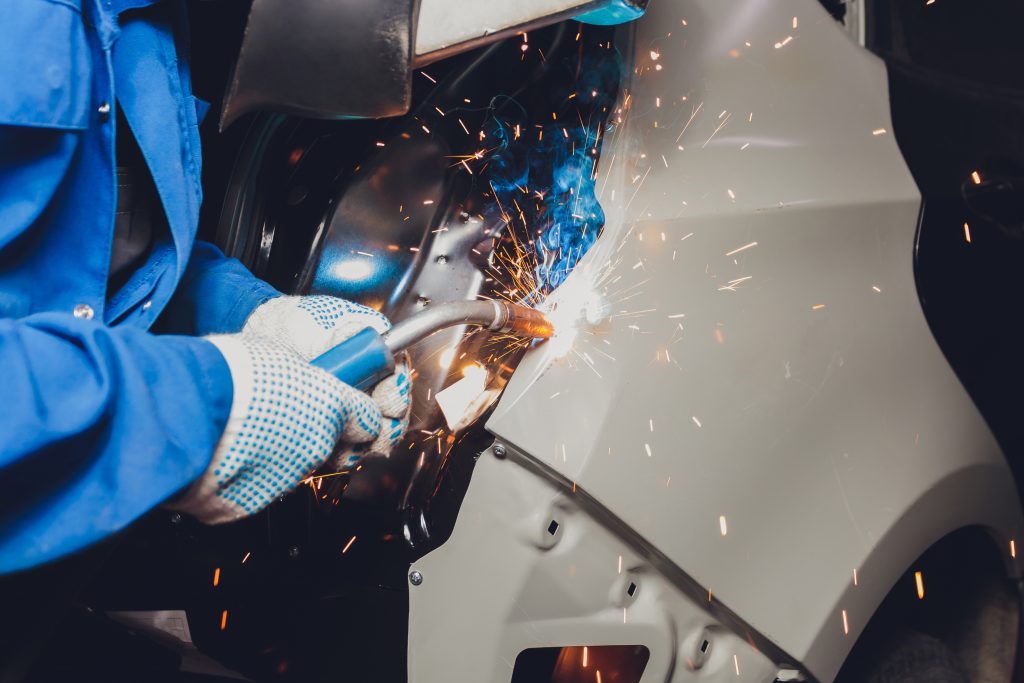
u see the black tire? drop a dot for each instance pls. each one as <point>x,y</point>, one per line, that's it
<point>910,657</point>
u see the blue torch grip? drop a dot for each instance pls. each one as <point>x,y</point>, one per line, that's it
<point>360,361</point>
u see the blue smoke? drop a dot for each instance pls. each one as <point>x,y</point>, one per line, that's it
<point>544,180</point>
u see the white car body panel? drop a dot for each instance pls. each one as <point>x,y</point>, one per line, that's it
<point>766,408</point>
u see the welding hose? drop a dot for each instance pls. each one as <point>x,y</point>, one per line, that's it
<point>367,357</point>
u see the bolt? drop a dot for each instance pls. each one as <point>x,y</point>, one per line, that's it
<point>422,300</point>
<point>415,577</point>
<point>442,259</point>
<point>499,451</point>
<point>293,552</point>
<point>176,518</point>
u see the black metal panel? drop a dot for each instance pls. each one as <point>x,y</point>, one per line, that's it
<point>340,59</point>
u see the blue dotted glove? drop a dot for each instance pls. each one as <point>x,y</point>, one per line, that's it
<point>286,417</point>
<point>309,326</point>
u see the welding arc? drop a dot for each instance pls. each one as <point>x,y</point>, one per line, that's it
<point>498,316</point>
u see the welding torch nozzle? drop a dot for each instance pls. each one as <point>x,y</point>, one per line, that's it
<point>367,357</point>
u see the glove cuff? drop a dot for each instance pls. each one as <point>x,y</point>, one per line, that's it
<point>201,499</point>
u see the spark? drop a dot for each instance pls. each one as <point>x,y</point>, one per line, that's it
<point>876,288</point>
<point>348,545</point>
<point>732,195</point>
<point>246,558</point>
<point>784,42</point>
<point>428,77</point>
<point>696,421</point>
<point>739,249</point>
<point>1013,549</point>
<point>216,577</point>
<point>967,233</point>
<point>855,576</point>
<point>677,315</point>
<point>722,525</point>
<point>620,563</point>
<point>976,177</point>
<point>846,624</point>
<point>223,620</point>
<point>720,127</point>
<point>584,656</point>
<point>647,447</point>
<point>919,582</point>
<point>817,307</point>
<point>736,663</point>
<point>598,676</point>
<point>796,22</point>
<point>879,131</point>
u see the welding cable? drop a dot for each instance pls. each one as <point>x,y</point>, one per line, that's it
<point>368,356</point>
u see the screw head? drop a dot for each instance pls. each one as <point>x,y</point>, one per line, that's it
<point>415,577</point>
<point>499,451</point>
<point>442,259</point>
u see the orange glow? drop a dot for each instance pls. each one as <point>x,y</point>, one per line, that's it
<point>919,581</point>
<point>216,577</point>
<point>223,620</point>
<point>976,177</point>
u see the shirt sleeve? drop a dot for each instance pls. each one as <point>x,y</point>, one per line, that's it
<point>99,426</point>
<point>215,296</point>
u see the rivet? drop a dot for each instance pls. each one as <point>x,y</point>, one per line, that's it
<point>83,312</point>
<point>415,577</point>
<point>499,451</point>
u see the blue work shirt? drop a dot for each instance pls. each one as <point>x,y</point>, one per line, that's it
<point>103,419</point>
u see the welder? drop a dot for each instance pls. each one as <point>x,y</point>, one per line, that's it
<point>140,366</point>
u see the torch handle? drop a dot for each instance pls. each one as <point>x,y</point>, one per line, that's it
<point>360,361</point>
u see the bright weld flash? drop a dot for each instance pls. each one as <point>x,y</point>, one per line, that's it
<point>572,306</point>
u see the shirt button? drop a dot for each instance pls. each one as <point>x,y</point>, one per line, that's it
<point>83,311</point>
<point>104,111</point>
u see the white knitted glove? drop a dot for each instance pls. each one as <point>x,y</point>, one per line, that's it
<point>286,417</point>
<point>311,325</point>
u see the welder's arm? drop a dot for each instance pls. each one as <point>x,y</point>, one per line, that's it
<point>99,425</point>
<point>216,295</point>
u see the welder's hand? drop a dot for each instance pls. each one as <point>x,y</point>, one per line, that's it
<point>311,325</point>
<point>286,418</point>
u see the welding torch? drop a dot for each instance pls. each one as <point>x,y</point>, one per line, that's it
<point>367,357</point>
